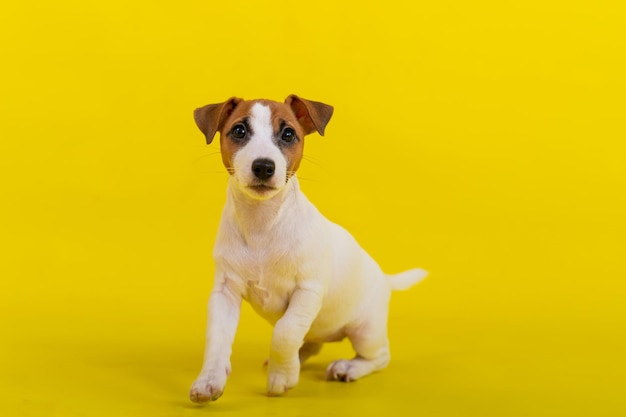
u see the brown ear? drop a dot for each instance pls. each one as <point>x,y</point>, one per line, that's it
<point>312,115</point>
<point>211,117</point>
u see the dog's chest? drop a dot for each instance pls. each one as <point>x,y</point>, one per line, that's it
<point>266,272</point>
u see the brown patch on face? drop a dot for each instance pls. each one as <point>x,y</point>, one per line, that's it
<point>283,117</point>
<point>228,146</point>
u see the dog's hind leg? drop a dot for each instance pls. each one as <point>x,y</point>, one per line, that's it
<point>369,358</point>
<point>309,349</point>
<point>372,352</point>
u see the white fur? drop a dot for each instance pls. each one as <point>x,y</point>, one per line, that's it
<point>304,274</point>
<point>260,145</point>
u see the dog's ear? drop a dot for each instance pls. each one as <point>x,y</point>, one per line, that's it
<point>210,118</point>
<point>312,115</point>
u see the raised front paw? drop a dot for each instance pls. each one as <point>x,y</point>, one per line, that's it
<point>281,378</point>
<point>208,387</point>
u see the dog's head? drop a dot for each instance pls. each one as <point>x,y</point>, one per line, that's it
<point>261,140</point>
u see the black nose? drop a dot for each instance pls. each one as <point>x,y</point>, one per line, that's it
<point>263,168</point>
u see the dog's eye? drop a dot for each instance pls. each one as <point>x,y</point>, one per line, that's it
<point>238,131</point>
<point>289,135</point>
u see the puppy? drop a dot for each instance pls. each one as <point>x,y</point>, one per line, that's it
<point>305,275</point>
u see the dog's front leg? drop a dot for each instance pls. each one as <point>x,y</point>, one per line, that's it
<point>223,317</point>
<point>288,337</point>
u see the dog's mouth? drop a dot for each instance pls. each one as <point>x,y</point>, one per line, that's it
<point>261,188</point>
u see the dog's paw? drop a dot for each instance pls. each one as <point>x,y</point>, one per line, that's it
<point>341,370</point>
<point>208,387</point>
<point>281,379</point>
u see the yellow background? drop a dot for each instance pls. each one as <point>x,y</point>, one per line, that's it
<point>483,141</point>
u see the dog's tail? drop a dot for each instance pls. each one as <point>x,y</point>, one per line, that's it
<point>405,280</point>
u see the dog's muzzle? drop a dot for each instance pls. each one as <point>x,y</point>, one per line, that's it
<point>263,168</point>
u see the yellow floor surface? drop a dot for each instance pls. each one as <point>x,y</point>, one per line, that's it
<point>481,140</point>
<point>112,364</point>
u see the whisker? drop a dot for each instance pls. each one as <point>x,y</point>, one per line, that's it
<point>206,156</point>
<point>309,179</point>
<point>292,173</point>
<point>213,172</point>
<point>313,161</point>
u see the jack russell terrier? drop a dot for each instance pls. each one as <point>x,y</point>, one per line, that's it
<point>304,274</point>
